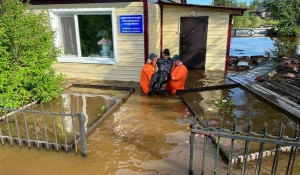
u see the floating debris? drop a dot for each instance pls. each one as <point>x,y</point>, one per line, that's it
<point>210,109</point>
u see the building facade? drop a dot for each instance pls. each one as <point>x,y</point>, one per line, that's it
<point>111,39</point>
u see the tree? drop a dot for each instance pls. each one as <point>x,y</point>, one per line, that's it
<point>27,52</point>
<point>254,4</point>
<point>284,46</point>
<point>250,19</point>
<point>287,12</point>
<point>232,3</point>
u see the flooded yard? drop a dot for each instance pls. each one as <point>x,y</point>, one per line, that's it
<point>144,136</point>
<point>150,135</point>
<point>244,107</point>
<point>93,103</point>
<point>251,46</point>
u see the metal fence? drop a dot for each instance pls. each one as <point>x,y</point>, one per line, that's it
<point>248,136</point>
<point>38,125</point>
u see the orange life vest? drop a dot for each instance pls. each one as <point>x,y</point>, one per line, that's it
<point>146,75</point>
<point>179,73</point>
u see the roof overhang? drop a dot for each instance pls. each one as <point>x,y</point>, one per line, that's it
<point>40,2</point>
<point>236,11</point>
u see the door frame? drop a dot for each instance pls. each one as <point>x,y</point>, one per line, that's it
<point>180,33</point>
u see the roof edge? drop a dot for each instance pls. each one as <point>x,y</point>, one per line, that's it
<point>206,6</point>
<point>41,2</point>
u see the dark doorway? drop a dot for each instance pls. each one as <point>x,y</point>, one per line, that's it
<point>193,38</point>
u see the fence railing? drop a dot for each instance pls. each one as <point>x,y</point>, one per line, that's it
<point>38,125</point>
<point>248,136</point>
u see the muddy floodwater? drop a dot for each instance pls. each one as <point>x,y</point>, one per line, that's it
<point>243,106</point>
<point>92,105</point>
<point>146,135</point>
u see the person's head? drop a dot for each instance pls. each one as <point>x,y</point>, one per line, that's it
<point>176,59</point>
<point>166,54</point>
<point>153,58</point>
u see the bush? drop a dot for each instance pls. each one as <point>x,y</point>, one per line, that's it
<point>27,52</point>
<point>284,47</point>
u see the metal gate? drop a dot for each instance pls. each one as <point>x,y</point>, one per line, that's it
<point>291,144</point>
<point>29,126</point>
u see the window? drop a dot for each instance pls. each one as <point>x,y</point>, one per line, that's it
<point>85,35</point>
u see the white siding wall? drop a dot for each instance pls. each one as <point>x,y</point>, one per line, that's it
<point>130,48</point>
<point>154,28</point>
<point>216,36</point>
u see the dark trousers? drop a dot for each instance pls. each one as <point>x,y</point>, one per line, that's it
<point>158,78</point>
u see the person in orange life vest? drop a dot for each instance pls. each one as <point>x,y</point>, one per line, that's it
<point>178,75</point>
<point>148,70</point>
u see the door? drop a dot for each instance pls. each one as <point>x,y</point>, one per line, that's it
<point>193,38</point>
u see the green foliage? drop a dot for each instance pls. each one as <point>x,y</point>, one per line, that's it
<point>254,4</point>
<point>226,107</point>
<point>102,112</point>
<point>232,3</point>
<point>27,52</point>
<point>115,93</point>
<point>251,20</point>
<point>284,46</point>
<point>60,126</point>
<point>287,12</point>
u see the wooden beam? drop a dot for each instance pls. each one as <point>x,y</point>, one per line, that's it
<point>161,28</point>
<point>228,42</point>
<point>146,33</point>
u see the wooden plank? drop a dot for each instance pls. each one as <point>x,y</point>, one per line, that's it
<point>209,88</point>
<point>272,97</point>
<point>97,86</point>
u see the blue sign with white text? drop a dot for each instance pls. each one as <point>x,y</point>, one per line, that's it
<point>131,24</point>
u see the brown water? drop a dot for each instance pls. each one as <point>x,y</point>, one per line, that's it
<point>89,102</point>
<point>199,78</point>
<point>146,135</point>
<point>245,107</point>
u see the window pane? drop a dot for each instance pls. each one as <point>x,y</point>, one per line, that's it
<point>96,35</point>
<point>68,36</point>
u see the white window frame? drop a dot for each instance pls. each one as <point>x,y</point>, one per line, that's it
<point>54,15</point>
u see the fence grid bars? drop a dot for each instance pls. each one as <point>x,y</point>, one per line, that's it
<point>291,144</point>
<point>38,125</point>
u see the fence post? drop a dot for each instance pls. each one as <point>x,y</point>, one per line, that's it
<point>192,148</point>
<point>82,135</point>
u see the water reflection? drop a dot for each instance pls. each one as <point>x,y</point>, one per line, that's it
<point>88,104</point>
<point>146,135</point>
<point>259,46</point>
<point>199,78</point>
<point>245,107</point>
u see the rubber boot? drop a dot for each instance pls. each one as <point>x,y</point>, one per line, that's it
<point>152,85</point>
<point>159,85</point>
<point>154,80</point>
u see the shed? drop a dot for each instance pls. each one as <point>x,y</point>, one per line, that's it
<point>111,39</point>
